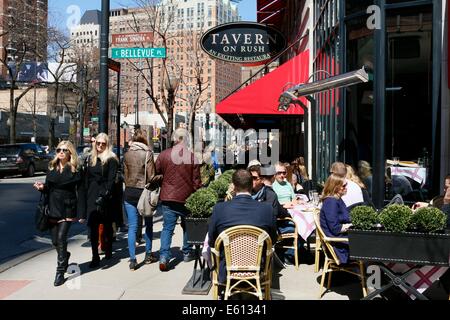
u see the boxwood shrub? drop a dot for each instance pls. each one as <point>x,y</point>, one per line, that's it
<point>396,217</point>
<point>429,219</point>
<point>201,203</point>
<point>363,217</point>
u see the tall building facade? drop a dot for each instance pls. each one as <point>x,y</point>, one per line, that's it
<point>87,32</point>
<point>23,24</point>
<point>183,23</point>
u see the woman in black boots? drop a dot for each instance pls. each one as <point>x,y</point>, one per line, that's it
<point>64,189</point>
<point>101,169</point>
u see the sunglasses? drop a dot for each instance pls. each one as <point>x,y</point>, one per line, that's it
<point>101,144</point>
<point>255,178</point>
<point>63,150</point>
<point>281,172</point>
<point>344,185</point>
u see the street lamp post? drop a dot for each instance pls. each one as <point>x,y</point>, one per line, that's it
<point>171,86</point>
<point>124,126</point>
<point>136,106</point>
<point>51,138</point>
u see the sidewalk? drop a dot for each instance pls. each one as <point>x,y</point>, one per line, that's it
<point>33,278</point>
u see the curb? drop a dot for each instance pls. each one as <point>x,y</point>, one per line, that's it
<point>23,258</point>
<point>32,254</point>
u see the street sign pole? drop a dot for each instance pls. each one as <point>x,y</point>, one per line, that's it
<point>104,45</point>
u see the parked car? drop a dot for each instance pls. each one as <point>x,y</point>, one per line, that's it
<point>22,158</point>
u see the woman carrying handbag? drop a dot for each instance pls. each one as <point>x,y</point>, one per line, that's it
<point>100,175</point>
<point>66,204</point>
<point>139,169</point>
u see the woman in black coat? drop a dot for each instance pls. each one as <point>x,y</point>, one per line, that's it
<point>64,190</point>
<point>100,174</point>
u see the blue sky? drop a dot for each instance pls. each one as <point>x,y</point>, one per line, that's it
<point>65,11</point>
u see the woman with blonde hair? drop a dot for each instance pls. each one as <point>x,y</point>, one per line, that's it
<point>64,190</point>
<point>365,174</point>
<point>334,215</point>
<point>351,175</point>
<point>101,169</point>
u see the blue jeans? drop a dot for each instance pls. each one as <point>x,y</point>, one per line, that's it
<point>132,216</point>
<point>288,227</point>
<point>171,212</point>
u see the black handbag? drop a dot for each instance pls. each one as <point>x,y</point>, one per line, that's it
<point>41,218</point>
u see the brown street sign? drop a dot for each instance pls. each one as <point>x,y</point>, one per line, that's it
<point>132,38</point>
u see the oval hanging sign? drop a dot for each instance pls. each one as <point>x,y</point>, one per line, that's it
<point>243,42</point>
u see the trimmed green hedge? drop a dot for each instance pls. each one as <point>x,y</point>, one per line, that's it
<point>429,219</point>
<point>363,217</point>
<point>201,203</point>
<point>396,218</point>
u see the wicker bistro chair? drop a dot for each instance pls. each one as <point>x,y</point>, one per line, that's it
<point>332,262</point>
<point>248,258</point>
<point>281,241</point>
<point>317,252</point>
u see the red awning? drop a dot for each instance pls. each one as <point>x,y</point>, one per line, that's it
<point>261,97</point>
<point>270,11</point>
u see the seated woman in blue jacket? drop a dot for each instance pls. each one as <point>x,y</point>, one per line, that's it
<point>334,216</point>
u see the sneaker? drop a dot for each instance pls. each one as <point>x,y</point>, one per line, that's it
<point>133,264</point>
<point>189,256</point>
<point>150,258</point>
<point>163,265</point>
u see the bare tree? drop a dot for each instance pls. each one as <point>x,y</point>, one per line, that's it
<point>13,68</point>
<point>194,79</point>
<point>159,17</point>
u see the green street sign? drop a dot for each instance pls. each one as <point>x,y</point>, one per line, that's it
<point>137,53</point>
<point>86,132</point>
<point>94,119</point>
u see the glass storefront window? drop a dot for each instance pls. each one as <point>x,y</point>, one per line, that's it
<point>355,6</point>
<point>359,98</point>
<point>409,90</point>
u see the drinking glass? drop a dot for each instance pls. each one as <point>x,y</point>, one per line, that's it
<point>315,198</point>
<point>396,161</point>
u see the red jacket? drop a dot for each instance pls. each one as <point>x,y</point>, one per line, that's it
<point>180,174</point>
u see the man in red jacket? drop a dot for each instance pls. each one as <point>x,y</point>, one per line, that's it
<point>180,178</point>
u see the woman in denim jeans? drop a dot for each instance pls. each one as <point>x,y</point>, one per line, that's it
<point>135,181</point>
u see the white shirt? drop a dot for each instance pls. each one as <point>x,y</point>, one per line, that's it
<point>354,194</point>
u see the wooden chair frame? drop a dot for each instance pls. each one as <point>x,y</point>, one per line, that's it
<point>332,262</point>
<point>244,278</point>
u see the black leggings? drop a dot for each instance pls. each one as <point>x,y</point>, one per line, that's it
<point>59,234</point>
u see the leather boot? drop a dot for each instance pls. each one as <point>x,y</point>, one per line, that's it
<point>59,279</point>
<point>61,266</point>
<point>66,261</point>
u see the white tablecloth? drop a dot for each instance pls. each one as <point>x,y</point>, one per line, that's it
<point>304,219</point>
<point>418,174</point>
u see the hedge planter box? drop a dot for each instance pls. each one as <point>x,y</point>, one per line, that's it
<point>196,229</point>
<point>400,247</point>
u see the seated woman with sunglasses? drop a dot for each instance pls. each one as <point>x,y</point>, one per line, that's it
<point>64,187</point>
<point>101,169</point>
<point>334,215</point>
